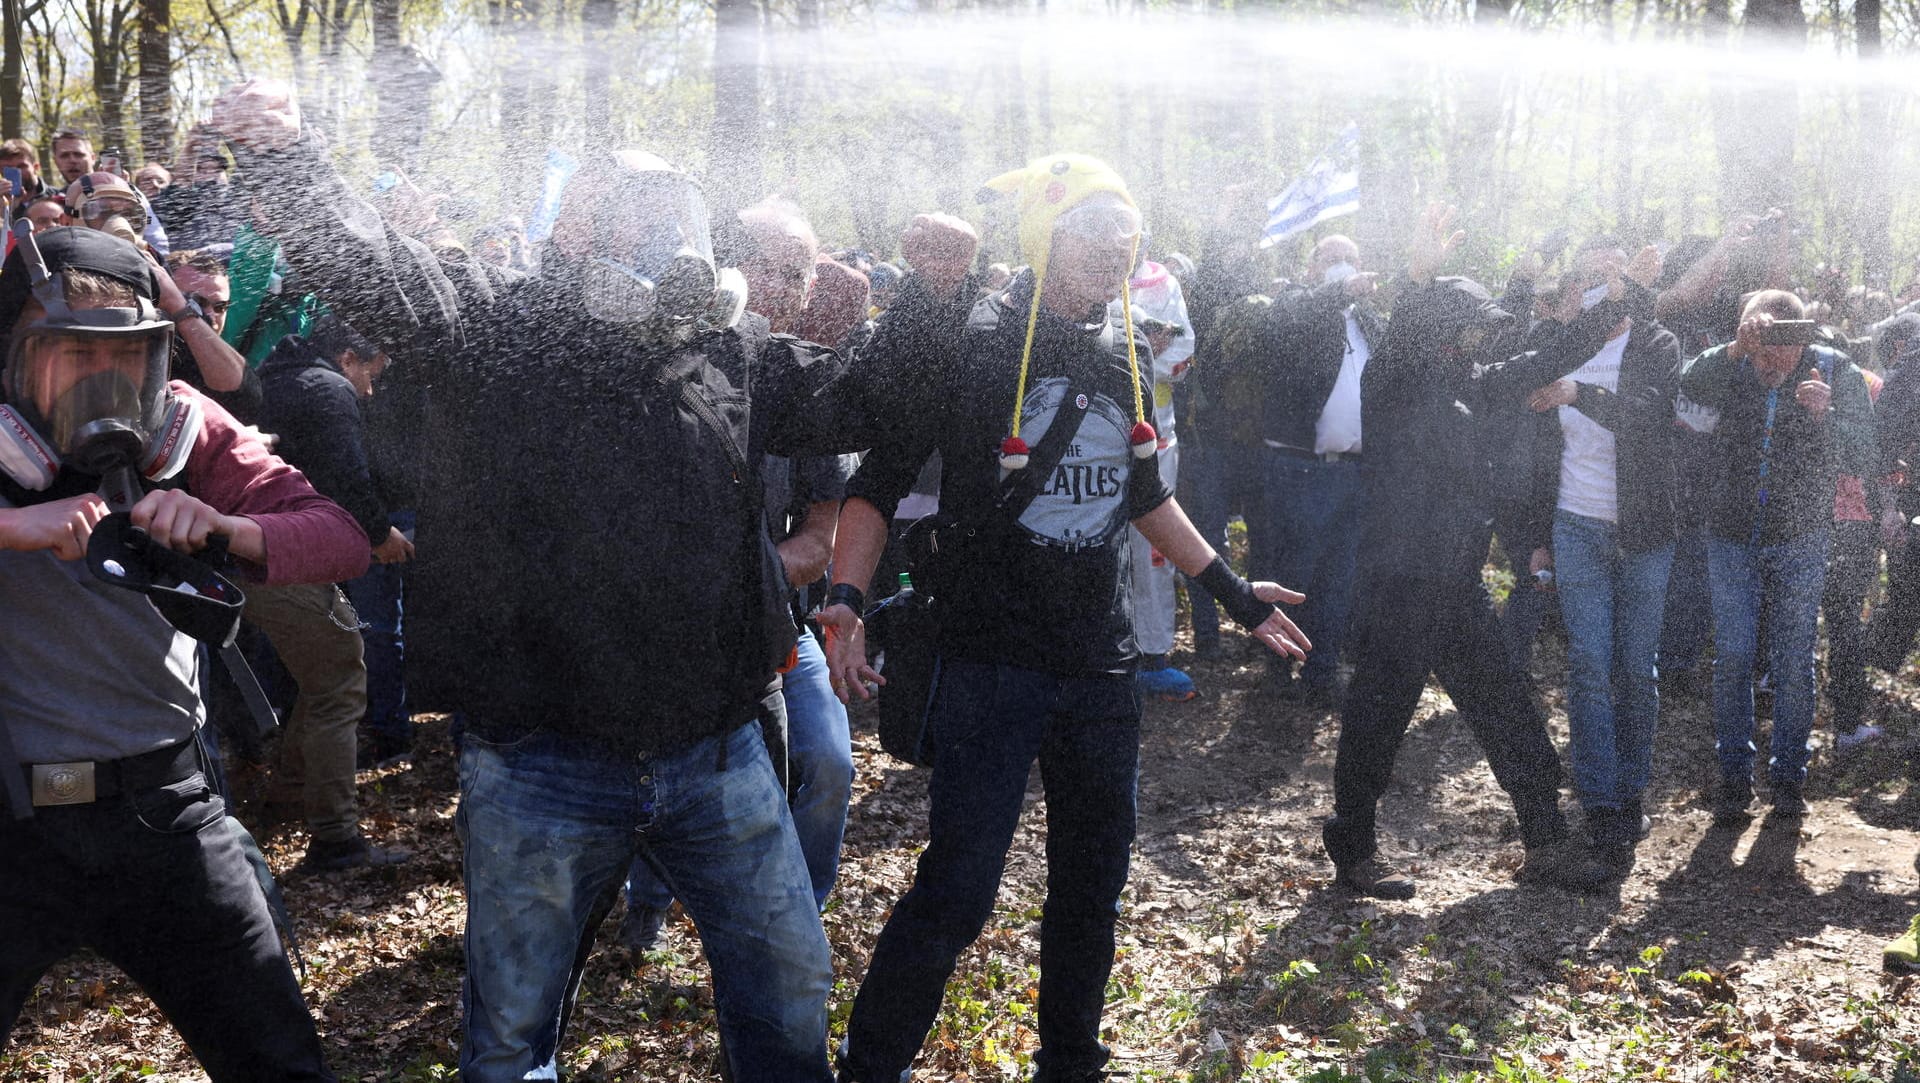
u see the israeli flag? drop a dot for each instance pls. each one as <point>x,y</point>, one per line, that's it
<point>1328,189</point>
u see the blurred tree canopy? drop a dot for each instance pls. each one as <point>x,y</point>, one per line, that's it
<point>1654,119</point>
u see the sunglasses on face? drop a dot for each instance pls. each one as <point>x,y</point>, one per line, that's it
<point>209,305</point>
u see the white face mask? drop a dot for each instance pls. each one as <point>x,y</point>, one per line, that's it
<point>1339,272</point>
<point>1593,297</point>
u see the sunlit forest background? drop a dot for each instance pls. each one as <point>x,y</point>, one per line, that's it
<point>1655,119</point>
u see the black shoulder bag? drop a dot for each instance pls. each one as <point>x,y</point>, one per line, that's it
<point>906,625</point>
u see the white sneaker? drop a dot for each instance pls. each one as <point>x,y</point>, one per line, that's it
<point>1862,735</point>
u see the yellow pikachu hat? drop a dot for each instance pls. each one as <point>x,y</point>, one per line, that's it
<point>1042,191</point>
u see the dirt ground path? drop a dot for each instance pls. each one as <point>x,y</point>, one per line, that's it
<point>1743,955</point>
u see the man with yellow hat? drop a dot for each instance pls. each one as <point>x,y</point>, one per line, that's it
<point>1039,411</point>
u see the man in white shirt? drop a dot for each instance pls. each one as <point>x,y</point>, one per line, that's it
<point>1322,336</point>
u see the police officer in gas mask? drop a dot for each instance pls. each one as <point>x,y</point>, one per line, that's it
<point>604,604</point>
<point>111,837</point>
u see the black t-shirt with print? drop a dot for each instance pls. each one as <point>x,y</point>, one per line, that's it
<point>1049,592</point>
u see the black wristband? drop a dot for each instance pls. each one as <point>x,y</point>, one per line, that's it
<point>848,595</point>
<point>1234,594</point>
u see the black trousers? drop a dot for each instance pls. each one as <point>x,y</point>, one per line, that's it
<point>1897,618</point>
<point>157,882</point>
<point>1853,563</point>
<point>1409,629</point>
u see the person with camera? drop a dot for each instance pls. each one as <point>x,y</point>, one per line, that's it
<point>20,180</point>
<point>1603,519</point>
<point>113,839</point>
<point>1039,409</point>
<point>1793,417</point>
<point>610,612</point>
<point>1436,398</point>
<point>312,387</point>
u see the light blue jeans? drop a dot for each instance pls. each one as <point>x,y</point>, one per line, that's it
<point>1614,604</point>
<point>1788,579</point>
<point>549,826</point>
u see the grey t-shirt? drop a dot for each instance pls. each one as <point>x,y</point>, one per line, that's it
<point>89,671</point>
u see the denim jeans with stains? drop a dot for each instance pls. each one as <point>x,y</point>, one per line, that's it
<point>549,826</point>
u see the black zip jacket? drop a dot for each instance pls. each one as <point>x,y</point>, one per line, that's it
<point>1436,450</point>
<point>313,408</point>
<point>599,568</point>
<point>1305,344</point>
<point>1804,457</point>
<point>1640,416</point>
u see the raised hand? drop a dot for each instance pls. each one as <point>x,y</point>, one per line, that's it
<point>259,114</point>
<point>1433,242</point>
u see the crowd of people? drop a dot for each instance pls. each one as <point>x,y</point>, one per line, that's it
<point>663,479</point>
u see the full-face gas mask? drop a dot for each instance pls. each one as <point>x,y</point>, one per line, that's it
<point>652,254</point>
<point>85,384</point>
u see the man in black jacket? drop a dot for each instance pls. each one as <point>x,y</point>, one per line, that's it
<point>311,390</point>
<point>1035,639</point>
<point>1321,338</point>
<point>1422,608</point>
<point>604,597</point>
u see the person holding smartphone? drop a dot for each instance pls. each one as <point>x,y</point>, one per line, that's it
<point>20,170</point>
<point>1792,418</point>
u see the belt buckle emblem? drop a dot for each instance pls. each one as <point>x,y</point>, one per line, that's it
<point>63,783</point>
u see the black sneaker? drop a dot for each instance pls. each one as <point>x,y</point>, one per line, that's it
<point>1788,803</point>
<point>640,929</point>
<point>1564,864</point>
<point>1613,835</point>
<point>1634,809</point>
<point>1373,878</point>
<point>353,853</point>
<point>1733,804</point>
<point>381,752</point>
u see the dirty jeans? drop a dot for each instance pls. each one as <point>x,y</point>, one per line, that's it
<point>549,826</point>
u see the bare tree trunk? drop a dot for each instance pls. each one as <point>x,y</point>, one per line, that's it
<point>1873,219</point>
<point>106,24</point>
<point>11,97</point>
<point>734,162</point>
<point>156,80</point>
<point>1756,143</point>
<point>596,24</point>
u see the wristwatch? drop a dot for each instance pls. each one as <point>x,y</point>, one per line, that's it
<point>190,310</point>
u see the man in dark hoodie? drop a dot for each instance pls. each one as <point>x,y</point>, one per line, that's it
<point>1429,523</point>
<point>311,389</point>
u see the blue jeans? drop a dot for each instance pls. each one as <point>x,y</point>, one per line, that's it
<point>1314,541</point>
<point>988,724</point>
<point>1613,603</point>
<point>549,826</point>
<point>1790,577</point>
<point>820,757</point>
<point>379,598</point>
